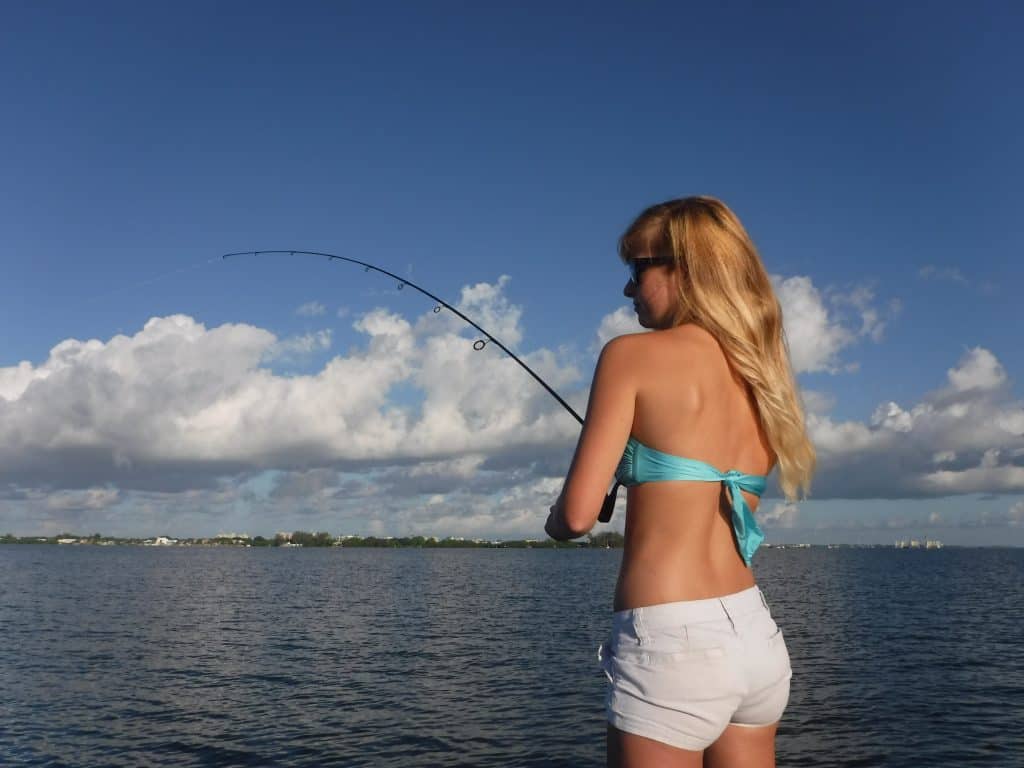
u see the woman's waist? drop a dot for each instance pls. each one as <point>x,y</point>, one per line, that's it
<point>683,612</point>
<point>652,578</point>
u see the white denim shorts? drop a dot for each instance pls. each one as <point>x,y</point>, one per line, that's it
<point>681,672</point>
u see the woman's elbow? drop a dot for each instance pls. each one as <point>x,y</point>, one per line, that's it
<point>579,519</point>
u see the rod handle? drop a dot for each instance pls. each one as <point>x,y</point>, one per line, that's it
<point>608,508</point>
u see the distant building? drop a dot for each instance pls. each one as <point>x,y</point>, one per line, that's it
<point>160,541</point>
<point>916,544</point>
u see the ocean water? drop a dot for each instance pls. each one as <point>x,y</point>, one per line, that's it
<point>129,656</point>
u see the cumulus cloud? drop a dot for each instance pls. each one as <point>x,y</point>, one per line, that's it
<point>815,336</point>
<point>415,431</point>
<point>88,499</point>
<point>965,437</point>
<point>178,405</point>
<point>1015,514</point>
<point>618,323</point>
<point>1012,516</point>
<point>861,301</point>
<point>781,515</point>
<point>298,347</point>
<point>820,326</point>
<point>978,370</point>
<point>817,402</point>
<point>487,304</point>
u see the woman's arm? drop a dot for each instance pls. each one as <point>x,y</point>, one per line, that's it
<point>606,428</point>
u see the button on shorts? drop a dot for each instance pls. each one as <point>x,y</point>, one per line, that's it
<point>681,672</point>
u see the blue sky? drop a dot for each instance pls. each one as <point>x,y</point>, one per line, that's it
<point>493,155</point>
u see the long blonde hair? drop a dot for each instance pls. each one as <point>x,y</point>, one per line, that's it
<point>724,289</point>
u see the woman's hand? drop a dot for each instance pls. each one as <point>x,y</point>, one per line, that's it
<point>555,526</point>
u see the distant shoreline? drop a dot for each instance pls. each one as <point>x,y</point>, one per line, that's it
<point>323,540</point>
<point>318,540</point>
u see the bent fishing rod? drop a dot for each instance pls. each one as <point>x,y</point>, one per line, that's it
<point>608,507</point>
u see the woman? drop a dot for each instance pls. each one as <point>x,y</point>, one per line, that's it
<point>691,417</point>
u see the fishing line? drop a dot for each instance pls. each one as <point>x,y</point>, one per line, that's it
<point>148,281</point>
<point>608,508</point>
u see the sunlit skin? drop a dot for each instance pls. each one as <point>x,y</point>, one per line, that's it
<point>671,389</point>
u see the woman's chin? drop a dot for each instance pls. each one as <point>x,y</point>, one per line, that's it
<point>645,320</point>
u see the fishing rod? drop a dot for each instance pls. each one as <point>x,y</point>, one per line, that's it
<point>608,507</point>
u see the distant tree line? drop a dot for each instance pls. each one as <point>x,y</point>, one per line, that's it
<point>324,539</point>
<point>601,540</point>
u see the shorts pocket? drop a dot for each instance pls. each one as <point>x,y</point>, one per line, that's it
<point>670,678</point>
<point>680,653</point>
<point>762,628</point>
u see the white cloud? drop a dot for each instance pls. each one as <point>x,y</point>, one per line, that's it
<point>88,499</point>
<point>815,339</point>
<point>816,402</point>
<point>968,427</point>
<point>781,515</point>
<point>311,309</point>
<point>14,380</point>
<point>618,323</point>
<point>180,424</point>
<point>996,518</point>
<point>979,370</point>
<point>981,479</point>
<point>891,416</point>
<point>178,405</point>
<point>299,347</point>
<point>1015,514</point>
<point>487,304</point>
<point>860,300</point>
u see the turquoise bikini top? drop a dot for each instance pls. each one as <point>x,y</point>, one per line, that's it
<point>641,464</point>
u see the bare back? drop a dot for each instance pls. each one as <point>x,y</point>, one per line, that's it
<point>679,538</point>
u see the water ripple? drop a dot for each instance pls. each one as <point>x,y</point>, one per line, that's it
<point>415,658</point>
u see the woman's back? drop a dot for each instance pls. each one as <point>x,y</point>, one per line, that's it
<point>679,535</point>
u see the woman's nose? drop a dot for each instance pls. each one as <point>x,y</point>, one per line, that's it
<point>630,289</point>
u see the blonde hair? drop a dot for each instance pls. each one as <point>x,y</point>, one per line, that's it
<point>724,289</point>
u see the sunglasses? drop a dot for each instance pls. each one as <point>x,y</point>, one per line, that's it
<point>636,267</point>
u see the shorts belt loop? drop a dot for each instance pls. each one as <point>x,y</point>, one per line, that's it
<point>763,601</point>
<point>727,614</point>
<point>639,627</point>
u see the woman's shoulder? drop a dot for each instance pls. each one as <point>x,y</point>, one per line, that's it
<point>682,339</point>
<point>682,355</point>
